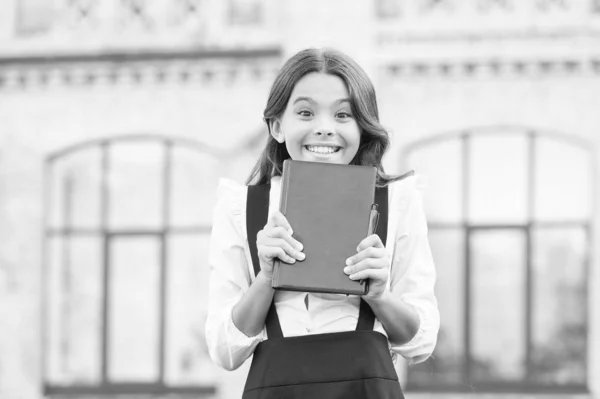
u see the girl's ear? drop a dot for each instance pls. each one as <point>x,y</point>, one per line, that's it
<point>275,129</point>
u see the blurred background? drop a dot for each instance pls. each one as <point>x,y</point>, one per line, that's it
<point>118,117</point>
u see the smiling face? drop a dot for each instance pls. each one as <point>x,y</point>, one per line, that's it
<point>317,124</point>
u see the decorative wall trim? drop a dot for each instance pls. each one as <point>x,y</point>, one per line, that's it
<point>409,10</point>
<point>205,66</point>
<point>392,38</point>
<point>142,56</point>
<point>493,67</point>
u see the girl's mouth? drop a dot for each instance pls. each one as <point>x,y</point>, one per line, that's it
<point>322,149</point>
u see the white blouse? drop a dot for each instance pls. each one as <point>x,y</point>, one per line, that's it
<point>412,278</point>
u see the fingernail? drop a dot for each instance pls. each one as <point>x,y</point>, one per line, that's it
<point>357,249</point>
<point>348,261</point>
<point>290,231</point>
<point>292,260</point>
<point>300,246</point>
<point>346,270</point>
<point>301,255</point>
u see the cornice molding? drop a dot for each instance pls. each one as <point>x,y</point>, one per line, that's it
<point>143,68</point>
<point>125,56</point>
<point>391,38</point>
<point>492,67</point>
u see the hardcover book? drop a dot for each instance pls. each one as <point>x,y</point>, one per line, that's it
<point>328,207</point>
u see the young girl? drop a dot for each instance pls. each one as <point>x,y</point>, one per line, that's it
<point>322,107</point>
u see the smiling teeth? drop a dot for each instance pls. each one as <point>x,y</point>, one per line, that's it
<point>321,149</point>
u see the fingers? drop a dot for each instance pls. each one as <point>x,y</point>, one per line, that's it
<point>379,275</point>
<point>370,267</point>
<point>371,261</point>
<point>279,227</point>
<point>370,247</point>
<point>278,220</point>
<point>371,241</point>
<point>276,241</point>
<point>271,252</point>
<point>277,232</point>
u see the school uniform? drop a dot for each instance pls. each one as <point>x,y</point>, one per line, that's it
<point>412,277</point>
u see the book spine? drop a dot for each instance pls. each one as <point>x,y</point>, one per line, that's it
<point>275,278</point>
<point>285,183</point>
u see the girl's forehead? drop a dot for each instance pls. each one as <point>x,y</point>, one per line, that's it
<point>320,86</point>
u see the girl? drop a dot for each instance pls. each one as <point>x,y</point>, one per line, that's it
<point>322,107</point>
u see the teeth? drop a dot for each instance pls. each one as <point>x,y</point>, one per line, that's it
<point>321,149</point>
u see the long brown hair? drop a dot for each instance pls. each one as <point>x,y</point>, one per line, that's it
<point>374,139</point>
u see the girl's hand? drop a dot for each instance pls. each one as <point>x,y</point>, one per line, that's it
<point>372,262</point>
<point>276,241</point>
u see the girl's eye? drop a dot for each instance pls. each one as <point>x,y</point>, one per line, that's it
<point>304,112</point>
<point>343,115</point>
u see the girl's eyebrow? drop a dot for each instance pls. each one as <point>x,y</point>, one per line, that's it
<point>342,100</point>
<point>310,100</point>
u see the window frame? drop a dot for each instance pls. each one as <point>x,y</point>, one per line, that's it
<point>107,235</point>
<point>529,226</point>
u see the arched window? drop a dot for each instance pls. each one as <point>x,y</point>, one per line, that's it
<point>125,287</point>
<point>509,213</point>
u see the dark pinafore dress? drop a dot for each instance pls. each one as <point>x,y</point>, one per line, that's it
<point>349,365</point>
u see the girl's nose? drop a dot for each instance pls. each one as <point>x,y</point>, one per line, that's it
<point>324,128</point>
<point>324,132</point>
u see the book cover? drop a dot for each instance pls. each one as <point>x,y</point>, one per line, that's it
<point>328,207</point>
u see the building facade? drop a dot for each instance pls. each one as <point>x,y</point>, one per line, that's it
<point>117,118</point>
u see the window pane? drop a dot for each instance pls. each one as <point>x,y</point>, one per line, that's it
<point>194,183</point>
<point>136,185</point>
<point>245,12</point>
<point>134,309</point>
<point>446,364</point>
<point>498,305</point>
<point>74,310</point>
<point>440,168</point>
<point>186,353</point>
<point>34,16</point>
<point>498,169</point>
<point>75,189</point>
<point>564,179</point>
<point>559,306</point>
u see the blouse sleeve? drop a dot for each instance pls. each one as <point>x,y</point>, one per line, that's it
<point>229,279</point>
<point>412,275</point>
